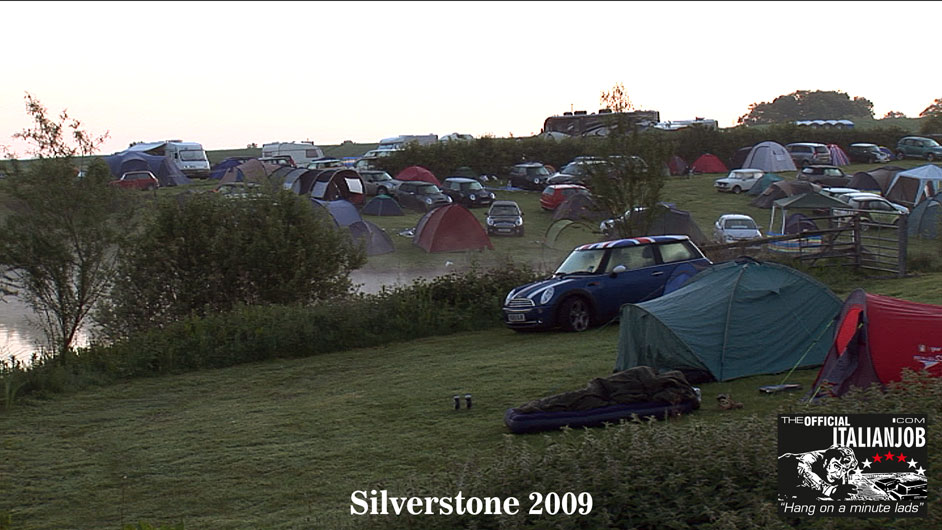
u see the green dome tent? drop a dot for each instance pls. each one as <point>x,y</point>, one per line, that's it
<point>734,319</point>
<point>763,183</point>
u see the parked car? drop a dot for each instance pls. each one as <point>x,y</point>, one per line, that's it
<point>325,162</point>
<point>824,175</point>
<point>580,170</point>
<point>836,192</point>
<point>278,160</point>
<point>918,147</point>
<point>556,194</point>
<point>595,280</point>
<point>420,196</point>
<point>738,180</point>
<point>806,154</point>
<point>504,217</point>
<point>467,191</point>
<point>378,182</point>
<point>734,227</point>
<point>137,180</point>
<point>529,176</point>
<point>872,207</point>
<point>866,154</point>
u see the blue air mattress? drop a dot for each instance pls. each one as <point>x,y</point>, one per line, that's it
<point>520,423</point>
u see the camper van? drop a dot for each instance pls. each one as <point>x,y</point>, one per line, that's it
<point>301,153</point>
<point>188,156</point>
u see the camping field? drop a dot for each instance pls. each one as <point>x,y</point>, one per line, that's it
<point>283,444</point>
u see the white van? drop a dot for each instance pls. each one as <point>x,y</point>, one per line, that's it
<point>188,156</point>
<point>301,153</point>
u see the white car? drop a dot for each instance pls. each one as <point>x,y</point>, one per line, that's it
<point>733,227</point>
<point>738,180</point>
<point>873,208</point>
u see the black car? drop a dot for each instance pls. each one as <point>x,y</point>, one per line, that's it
<point>866,154</point>
<point>466,191</point>
<point>529,176</point>
<point>420,196</point>
<point>504,217</point>
<point>582,168</point>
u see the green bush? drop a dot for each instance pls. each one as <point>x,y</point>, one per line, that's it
<point>678,474</point>
<point>203,253</point>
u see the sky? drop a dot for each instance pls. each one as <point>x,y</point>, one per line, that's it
<point>227,74</point>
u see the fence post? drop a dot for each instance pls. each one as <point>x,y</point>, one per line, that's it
<point>858,244</point>
<point>902,238</point>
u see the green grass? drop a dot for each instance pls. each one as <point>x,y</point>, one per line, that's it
<point>283,444</point>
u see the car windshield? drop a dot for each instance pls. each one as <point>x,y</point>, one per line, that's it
<point>574,169</point>
<point>380,177</point>
<point>505,210</point>
<point>740,224</point>
<point>538,171</point>
<point>581,262</point>
<point>931,143</point>
<point>428,189</point>
<point>471,186</point>
<point>192,155</point>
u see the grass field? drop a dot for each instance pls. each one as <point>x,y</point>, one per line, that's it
<point>283,444</point>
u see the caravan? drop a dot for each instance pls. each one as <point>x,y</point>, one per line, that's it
<point>188,156</point>
<point>301,153</point>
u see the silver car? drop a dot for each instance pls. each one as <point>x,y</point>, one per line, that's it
<point>733,227</point>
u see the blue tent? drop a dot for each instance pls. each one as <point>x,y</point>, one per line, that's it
<point>220,169</point>
<point>167,173</point>
<point>924,220</point>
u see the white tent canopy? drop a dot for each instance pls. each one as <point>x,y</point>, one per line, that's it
<point>912,186</point>
<point>769,157</point>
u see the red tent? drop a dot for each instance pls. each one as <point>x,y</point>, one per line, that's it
<point>450,228</point>
<point>708,163</point>
<point>875,338</point>
<point>418,173</point>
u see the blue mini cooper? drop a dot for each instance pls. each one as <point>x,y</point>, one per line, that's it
<point>591,285</point>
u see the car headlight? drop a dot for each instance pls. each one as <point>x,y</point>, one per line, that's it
<point>509,296</point>
<point>428,200</point>
<point>547,295</point>
<point>473,197</point>
<point>519,221</point>
<point>491,195</point>
<point>536,181</point>
<point>489,221</point>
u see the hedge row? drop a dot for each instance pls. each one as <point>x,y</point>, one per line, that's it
<point>495,156</point>
<point>447,304</point>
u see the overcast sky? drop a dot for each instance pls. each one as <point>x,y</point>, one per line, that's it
<point>230,73</point>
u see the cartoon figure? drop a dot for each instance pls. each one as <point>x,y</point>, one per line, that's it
<point>820,474</point>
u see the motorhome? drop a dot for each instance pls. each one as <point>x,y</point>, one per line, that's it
<point>188,156</point>
<point>301,153</point>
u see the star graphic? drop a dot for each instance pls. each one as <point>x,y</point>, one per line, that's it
<point>912,464</point>
<point>889,455</point>
<point>866,463</point>
<point>921,471</point>
<point>901,458</point>
<point>877,457</point>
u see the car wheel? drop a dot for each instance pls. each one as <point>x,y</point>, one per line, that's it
<point>900,155</point>
<point>575,315</point>
<point>930,157</point>
<point>520,232</point>
<point>381,191</point>
<point>737,189</point>
<point>151,188</point>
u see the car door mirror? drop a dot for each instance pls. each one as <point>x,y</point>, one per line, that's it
<point>618,270</point>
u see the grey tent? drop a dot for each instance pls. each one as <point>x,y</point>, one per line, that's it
<point>769,157</point>
<point>670,220</point>
<point>924,220</point>
<point>912,186</point>
<point>734,319</point>
<point>580,207</point>
<point>382,205</point>
<point>763,184</point>
<point>249,171</point>
<point>167,173</point>
<point>343,212</point>
<point>781,189</point>
<point>375,240</point>
<point>875,180</point>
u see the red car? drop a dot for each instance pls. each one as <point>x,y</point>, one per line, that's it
<point>137,180</point>
<point>555,194</point>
